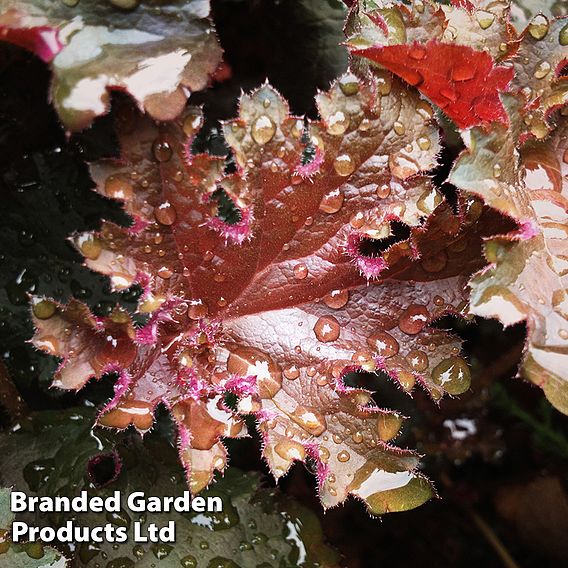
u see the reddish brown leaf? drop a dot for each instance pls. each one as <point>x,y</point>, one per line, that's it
<point>277,307</point>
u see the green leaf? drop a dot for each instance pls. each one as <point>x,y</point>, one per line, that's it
<point>257,524</point>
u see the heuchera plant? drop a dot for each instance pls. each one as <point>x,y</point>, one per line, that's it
<point>310,279</point>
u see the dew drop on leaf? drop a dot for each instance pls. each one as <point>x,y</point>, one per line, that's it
<point>336,299</point>
<point>290,450</point>
<point>538,28</point>
<point>413,319</point>
<point>542,70</point>
<point>124,4</point>
<point>399,128</point>
<point>417,52</point>
<point>43,309</point>
<point>563,36</point>
<point>452,375</point>
<point>383,343</point>
<point>424,143</point>
<point>463,73</point>
<point>188,561</point>
<point>418,360</point>
<point>343,456</point>
<point>327,329</point>
<point>344,165</point>
<point>309,419</point>
<point>197,309</point>
<point>484,19</point>
<point>337,123</point>
<point>161,150</point>
<point>300,271</point>
<point>165,213</point>
<point>292,373</point>
<point>118,188</point>
<point>263,130</point>
<point>349,84</point>
<point>192,123</point>
<point>332,202</point>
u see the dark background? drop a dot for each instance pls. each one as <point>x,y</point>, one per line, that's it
<point>498,455</point>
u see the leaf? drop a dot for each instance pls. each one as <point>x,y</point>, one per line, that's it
<point>30,555</point>
<point>257,524</point>
<point>524,10</point>
<point>540,59</point>
<point>278,306</point>
<point>156,55</point>
<point>527,277</point>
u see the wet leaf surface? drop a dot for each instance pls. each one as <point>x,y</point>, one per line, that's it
<point>156,51</point>
<point>257,524</point>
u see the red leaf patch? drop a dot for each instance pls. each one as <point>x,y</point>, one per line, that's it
<point>462,81</point>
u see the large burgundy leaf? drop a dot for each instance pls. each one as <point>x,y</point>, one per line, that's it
<point>278,306</point>
<point>156,53</point>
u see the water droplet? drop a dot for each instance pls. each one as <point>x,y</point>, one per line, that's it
<point>399,128</point>
<point>197,309</point>
<point>484,19</point>
<point>337,123</point>
<point>292,373</point>
<point>424,110</point>
<point>365,125</point>
<point>413,319</point>
<point>383,343</point>
<point>384,85</point>
<point>263,130</point>
<point>290,450</point>
<point>309,419</point>
<point>161,550</point>
<point>89,245</point>
<point>417,52</point>
<point>402,166</point>
<point>248,361</point>
<point>344,165</point>
<point>343,456</point>
<point>424,143</point>
<point>300,271</point>
<point>383,190</point>
<point>192,123</point>
<point>185,358</point>
<point>538,28</point>
<point>429,200</point>
<point>463,73</point>
<point>542,70</point>
<point>118,188</point>
<point>327,329</point>
<point>124,5</point>
<point>563,36</point>
<point>332,202</point>
<point>418,360</point>
<point>349,84</point>
<point>188,561</point>
<point>357,221</point>
<point>336,299</point>
<point>161,150</point>
<point>452,375</point>
<point>363,358</point>
<point>165,213</point>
